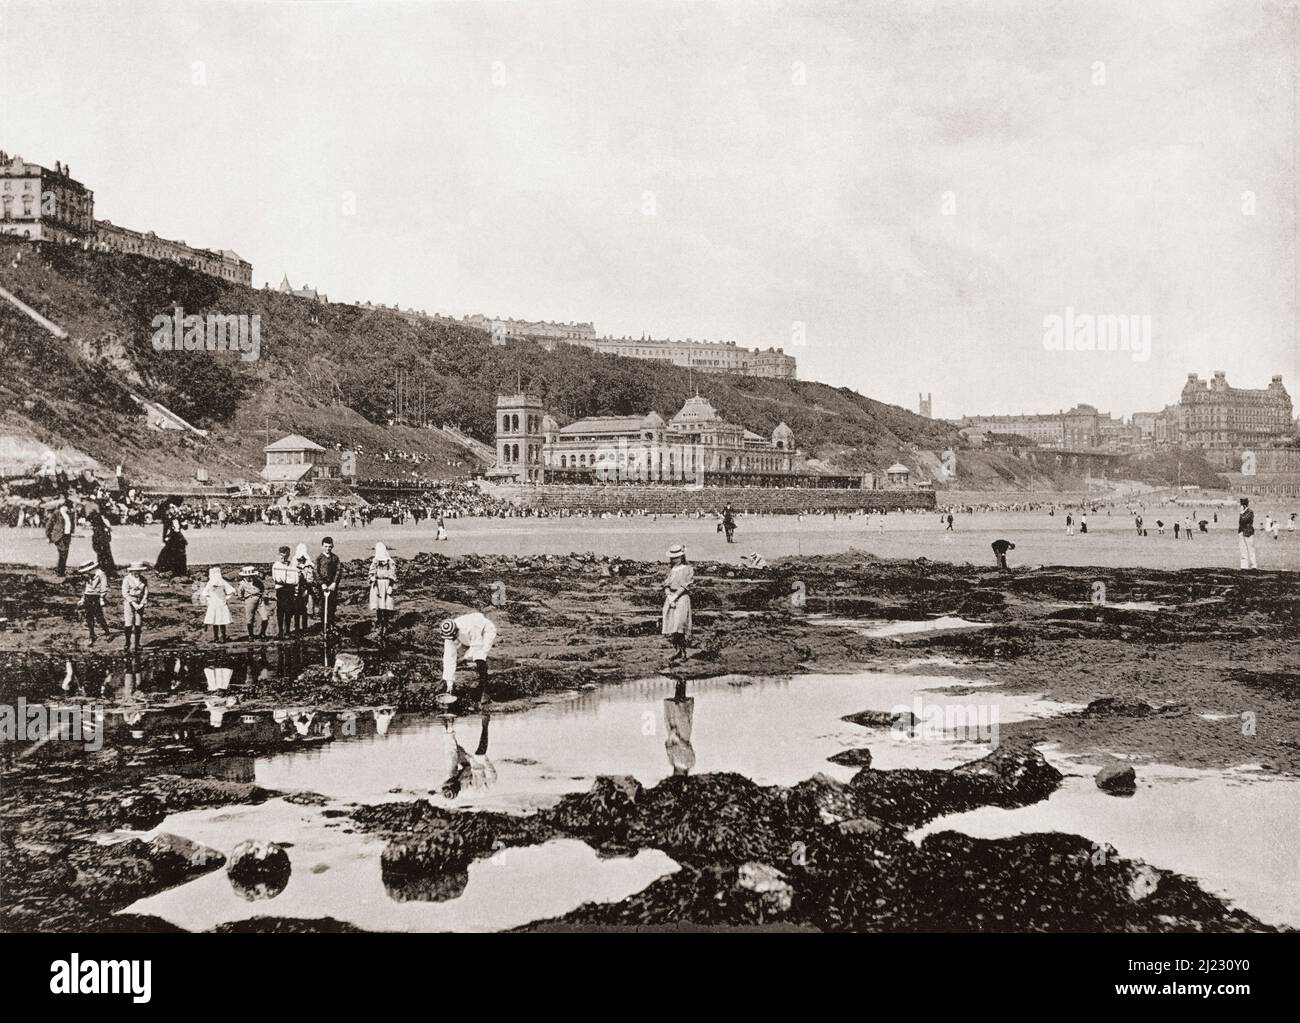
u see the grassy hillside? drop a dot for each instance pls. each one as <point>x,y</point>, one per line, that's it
<point>326,371</point>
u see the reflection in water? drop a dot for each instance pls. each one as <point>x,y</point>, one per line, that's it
<point>338,874</point>
<point>473,769</point>
<point>679,719</point>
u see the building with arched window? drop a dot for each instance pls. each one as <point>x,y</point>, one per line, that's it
<point>695,441</point>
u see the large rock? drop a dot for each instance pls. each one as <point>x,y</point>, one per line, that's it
<point>348,667</point>
<point>1117,779</point>
<point>881,719</point>
<point>859,757</point>
<point>1118,706</point>
<point>142,811</point>
<point>769,884</point>
<point>604,812</point>
<point>172,853</point>
<point>258,870</point>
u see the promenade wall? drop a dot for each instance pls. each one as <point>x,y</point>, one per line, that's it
<point>676,500</point>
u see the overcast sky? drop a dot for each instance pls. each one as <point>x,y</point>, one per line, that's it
<point>917,184</point>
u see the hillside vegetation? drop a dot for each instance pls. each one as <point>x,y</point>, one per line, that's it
<point>327,371</point>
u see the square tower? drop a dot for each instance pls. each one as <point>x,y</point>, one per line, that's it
<point>519,438</point>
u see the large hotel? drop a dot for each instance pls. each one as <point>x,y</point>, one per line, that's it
<point>708,356</point>
<point>46,205</point>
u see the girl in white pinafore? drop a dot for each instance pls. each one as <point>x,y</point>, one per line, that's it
<point>677,602</point>
<point>383,581</point>
<point>217,592</point>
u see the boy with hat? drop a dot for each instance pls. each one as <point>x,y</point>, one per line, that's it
<point>92,597</point>
<point>252,591</point>
<point>471,636</point>
<point>135,594</point>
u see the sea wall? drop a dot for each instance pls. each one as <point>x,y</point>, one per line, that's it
<point>670,500</point>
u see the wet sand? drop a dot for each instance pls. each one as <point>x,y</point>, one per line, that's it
<point>1040,539</point>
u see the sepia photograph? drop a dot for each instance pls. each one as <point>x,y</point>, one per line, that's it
<point>590,469</point>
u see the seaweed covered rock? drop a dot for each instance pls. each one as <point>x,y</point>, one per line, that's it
<point>176,855</point>
<point>604,813</point>
<point>140,811</point>
<point>1012,775</point>
<point>723,817</point>
<point>1117,706</point>
<point>258,870</point>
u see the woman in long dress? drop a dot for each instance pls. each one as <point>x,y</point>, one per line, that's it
<point>217,592</point>
<point>383,581</point>
<point>677,602</point>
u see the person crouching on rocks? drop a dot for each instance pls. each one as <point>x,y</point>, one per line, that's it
<point>135,595</point>
<point>468,636</point>
<point>217,591</point>
<point>252,591</point>
<point>676,623</point>
<point>383,583</point>
<point>93,595</point>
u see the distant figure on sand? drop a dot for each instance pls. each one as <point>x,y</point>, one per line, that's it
<point>1000,548</point>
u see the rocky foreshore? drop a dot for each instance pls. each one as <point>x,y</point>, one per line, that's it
<point>1203,674</point>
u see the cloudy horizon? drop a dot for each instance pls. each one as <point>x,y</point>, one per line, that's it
<point>916,189</point>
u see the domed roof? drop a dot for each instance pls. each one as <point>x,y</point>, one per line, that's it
<point>898,467</point>
<point>782,430</point>
<point>549,423</point>
<point>696,410</point>
<point>653,421</point>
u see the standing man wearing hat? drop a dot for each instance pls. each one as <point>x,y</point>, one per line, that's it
<point>676,619</point>
<point>92,598</point>
<point>59,528</point>
<point>329,573</point>
<point>469,636</point>
<point>1246,535</point>
<point>285,577</point>
<point>135,595</point>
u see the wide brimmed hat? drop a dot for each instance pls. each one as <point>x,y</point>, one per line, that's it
<point>447,628</point>
<point>247,572</point>
<point>677,551</point>
<point>137,566</point>
<point>89,566</point>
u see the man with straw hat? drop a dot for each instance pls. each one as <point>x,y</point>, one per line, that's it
<point>676,624</point>
<point>92,597</point>
<point>470,636</point>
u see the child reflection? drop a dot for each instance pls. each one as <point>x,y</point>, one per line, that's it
<point>473,769</point>
<point>679,716</point>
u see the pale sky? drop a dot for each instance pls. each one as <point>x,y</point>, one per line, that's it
<point>721,170</point>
